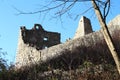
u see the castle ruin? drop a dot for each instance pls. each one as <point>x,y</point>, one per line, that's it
<point>84,27</point>
<point>39,38</point>
<point>37,45</point>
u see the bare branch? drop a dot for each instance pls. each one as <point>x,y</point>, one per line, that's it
<point>107,5</point>
<point>73,0</point>
<point>83,12</point>
<point>66,9</point>
<point>44,10</point>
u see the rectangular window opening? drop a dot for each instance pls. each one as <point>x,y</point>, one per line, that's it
<point>45,39</point>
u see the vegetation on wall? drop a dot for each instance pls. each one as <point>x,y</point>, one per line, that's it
<point>95,63</point>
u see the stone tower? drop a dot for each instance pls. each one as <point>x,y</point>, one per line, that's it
<point>31,41</point>
<point>84,27</point>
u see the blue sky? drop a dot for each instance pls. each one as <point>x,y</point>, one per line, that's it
<point>10,22</point>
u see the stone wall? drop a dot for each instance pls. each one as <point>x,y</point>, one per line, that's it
<point>33,40</point>
<point>115,21</point>
<point>27,54</point>
<point>84,27</point>
<point>39,38</point>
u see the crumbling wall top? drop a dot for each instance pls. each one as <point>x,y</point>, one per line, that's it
<point>84,27</point>
<point>39,38</point>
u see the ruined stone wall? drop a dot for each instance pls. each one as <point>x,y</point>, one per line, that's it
<point>84,27</point>
<point>30,55</point>
<point>27,54</point>
<point>39,38</point>
<point>115,21</point>
<point>33,40</point>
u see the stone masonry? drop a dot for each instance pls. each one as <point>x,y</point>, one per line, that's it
<point>28,54</point>
<point>36,38</point>
<point>84,27</point>
<point>39,38</point>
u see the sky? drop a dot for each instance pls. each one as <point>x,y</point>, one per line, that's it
<point>11,20</point>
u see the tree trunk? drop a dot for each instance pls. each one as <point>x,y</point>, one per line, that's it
<point>106,35</point>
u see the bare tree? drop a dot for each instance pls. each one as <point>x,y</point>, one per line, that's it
<point>105,31</point>
<point>101,9</point>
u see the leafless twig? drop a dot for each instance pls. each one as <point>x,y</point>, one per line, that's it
<point>107,5</point>
<point>44,10</point>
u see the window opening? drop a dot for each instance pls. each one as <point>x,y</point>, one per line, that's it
<point>45,39</point>
<point>37,27</point>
